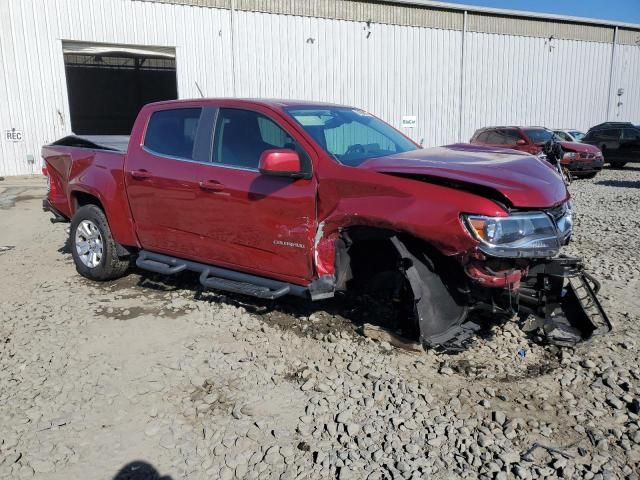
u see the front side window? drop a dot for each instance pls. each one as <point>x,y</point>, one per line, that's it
<point>349,135</point>
<point>539,135</point>
<point>173,132</point>
<point>242,135</point>
<point>631,134</point>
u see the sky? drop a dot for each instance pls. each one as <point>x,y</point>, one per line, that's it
<point>627,11</point>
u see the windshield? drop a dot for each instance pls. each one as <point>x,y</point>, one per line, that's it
<point>539,135</point>
<point>350,136</point>
<point>577,135</point>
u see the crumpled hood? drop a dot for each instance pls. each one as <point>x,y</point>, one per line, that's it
<point>526,181</point>
<point>579,147</point>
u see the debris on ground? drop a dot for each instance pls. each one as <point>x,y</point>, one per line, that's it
<point>96,376</point>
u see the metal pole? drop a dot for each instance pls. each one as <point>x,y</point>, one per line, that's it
<point>233,49</point>
<point>461,106</point>
<point>613,57</point>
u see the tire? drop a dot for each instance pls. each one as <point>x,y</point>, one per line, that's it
<point>618,164</point>
<point>93,248</point>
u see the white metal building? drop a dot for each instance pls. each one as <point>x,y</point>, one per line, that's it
<point>86,65</point>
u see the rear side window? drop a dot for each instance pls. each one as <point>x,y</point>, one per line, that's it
<point>482,138</point>
<point>496,137</point>
<point>610,134</point>
<point>173,132</point>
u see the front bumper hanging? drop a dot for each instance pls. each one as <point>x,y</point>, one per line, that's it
<point>561,298</point>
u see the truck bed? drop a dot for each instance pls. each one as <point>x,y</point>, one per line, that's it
<point>117,143</point>
<point>78,167</point>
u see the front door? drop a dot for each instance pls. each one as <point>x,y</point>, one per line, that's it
<point>267,222</point>
<point>630,145</point>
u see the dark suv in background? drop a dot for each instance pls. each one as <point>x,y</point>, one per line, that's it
<point>618,141</point>
<point>580,159</point>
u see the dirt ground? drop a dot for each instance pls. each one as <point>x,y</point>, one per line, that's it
<point>146,377</point>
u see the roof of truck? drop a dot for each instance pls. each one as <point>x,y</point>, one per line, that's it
<point>271,102</point>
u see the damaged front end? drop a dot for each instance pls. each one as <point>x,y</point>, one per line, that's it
<point>561,298</point>
<point>516,271</point>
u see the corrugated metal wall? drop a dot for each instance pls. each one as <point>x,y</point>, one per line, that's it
<point>372,68</point>
<point>626,76</point>
<point>513,80</point>
<point>512,73</point>
<point>33,92</point>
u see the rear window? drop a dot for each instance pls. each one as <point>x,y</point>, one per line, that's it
<point>173,132</point>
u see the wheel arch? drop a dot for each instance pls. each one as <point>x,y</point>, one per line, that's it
<point>80,198</point>
<point>355,237</point>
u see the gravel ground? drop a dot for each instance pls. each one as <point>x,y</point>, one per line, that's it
<point>197,385</point>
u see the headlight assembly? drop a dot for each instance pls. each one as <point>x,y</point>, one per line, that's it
<point>518,235</point>
<point>571,155</point>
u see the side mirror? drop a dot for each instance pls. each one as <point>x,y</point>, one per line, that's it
<point>521,142</point>
<point>281,163</point>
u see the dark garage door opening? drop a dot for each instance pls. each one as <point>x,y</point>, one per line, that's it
<point>108,86</point>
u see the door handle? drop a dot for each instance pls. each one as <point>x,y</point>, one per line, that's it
<point>211,186</point>
<point>140,174</point>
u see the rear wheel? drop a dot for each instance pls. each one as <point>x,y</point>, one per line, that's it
<point>93,248</point>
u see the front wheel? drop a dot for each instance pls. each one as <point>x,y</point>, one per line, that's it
<point>618,164</point>
<point>93,248</point>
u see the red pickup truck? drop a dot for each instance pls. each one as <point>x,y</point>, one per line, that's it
<point>269,198</point>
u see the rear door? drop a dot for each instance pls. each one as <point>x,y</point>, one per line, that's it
<point>267,222</point>
<point>163,176</point>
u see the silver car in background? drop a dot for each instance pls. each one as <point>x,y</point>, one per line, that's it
<point>569,134</point>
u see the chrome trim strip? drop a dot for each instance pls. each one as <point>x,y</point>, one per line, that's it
<point>181,159</point>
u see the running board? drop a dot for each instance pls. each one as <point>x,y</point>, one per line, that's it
<point>217,278</point>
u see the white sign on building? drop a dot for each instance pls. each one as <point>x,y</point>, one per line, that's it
<point>13,135</point>
<point>409,121</point>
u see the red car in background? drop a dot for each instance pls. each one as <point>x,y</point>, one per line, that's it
<point>580,159</point>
